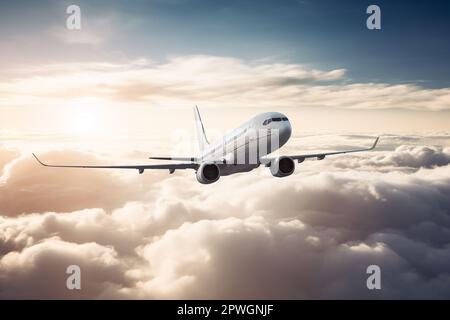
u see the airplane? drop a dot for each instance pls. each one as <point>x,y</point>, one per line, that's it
<point>241,150</point>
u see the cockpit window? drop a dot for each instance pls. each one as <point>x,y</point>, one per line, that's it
<point>267,121</point>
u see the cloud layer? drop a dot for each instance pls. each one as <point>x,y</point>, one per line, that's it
<point>311,235</point>
<point>212,81</point>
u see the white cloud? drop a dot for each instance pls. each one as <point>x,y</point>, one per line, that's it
<point>214,81</point>
<point>76,37</point>
<point>311,235</point>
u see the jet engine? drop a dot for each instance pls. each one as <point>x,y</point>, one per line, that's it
<point>208,173</point>
<point>282,167</point>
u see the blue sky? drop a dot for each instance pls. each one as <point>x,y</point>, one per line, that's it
<point>412,47</point>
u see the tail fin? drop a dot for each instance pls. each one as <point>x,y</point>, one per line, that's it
<point>201,136</point>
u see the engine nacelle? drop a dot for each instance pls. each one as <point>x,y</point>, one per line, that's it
<point>282,167</point>
<point>208,173</point>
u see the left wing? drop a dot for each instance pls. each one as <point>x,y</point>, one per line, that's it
<point>321,156</point>
<point>140,168</point>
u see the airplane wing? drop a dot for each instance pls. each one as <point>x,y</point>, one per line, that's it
<point>321,156</point>
<point>140,168</point>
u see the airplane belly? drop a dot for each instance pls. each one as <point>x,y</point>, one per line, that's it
<point>227,169</point>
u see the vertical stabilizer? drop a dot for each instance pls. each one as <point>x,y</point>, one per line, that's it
<point>201,136</point>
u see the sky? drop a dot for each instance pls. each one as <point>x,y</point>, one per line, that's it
<point>122,89</point>
<point>412,46</point>
<point>314,60</point>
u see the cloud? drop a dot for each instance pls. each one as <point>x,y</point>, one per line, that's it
<point>43,263</point>
<point>77,37</point>
<point>27,187</point>
<point>405,158</point>
<point>310,235</point>
<point>213,81</point>
<point>93,32</point>
<point>8,154</point>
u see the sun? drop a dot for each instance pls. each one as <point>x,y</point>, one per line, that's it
<point>85,116</point>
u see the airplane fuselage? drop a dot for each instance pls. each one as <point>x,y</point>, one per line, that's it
<point>241,149</point>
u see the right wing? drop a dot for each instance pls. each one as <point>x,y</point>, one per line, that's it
<point>322,155</point>
<point>140,168</point>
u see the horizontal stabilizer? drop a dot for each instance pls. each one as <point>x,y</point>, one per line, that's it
<point>191,159</point>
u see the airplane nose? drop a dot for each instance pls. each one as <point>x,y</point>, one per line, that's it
<point>286,132</point>
<point>288,129</point>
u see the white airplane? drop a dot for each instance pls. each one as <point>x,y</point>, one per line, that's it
<point>242,150</point>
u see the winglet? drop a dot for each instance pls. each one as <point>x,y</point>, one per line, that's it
<point>37,159</point>
<point>375,143</point>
